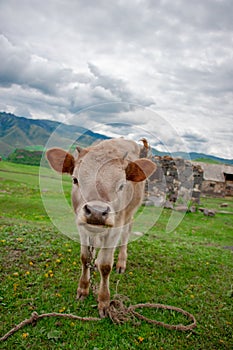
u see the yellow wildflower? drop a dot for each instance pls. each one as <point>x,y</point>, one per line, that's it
<point>27,273</point>
<point>31,263</point>
<point>62,309</point>
<point>25,335</point>
<point>140,339</point>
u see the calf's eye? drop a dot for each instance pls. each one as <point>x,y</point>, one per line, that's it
<point>120,188</point>
<point>75,180</point>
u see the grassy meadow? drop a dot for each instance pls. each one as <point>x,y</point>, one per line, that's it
<point>190,268</point>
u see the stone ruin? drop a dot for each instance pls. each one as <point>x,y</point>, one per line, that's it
<point>176,183</point>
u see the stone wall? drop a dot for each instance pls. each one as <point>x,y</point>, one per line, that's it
<point>213,188</point>
<point>217,180</point>
<point>176,180</point>
<point>229,188</point>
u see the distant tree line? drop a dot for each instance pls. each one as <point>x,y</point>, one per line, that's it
<point>23,156</point>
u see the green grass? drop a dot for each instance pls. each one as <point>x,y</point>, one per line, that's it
<point>189,268</point>
<point>215,204</point>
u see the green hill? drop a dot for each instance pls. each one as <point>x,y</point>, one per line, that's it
<point>207,160</point>
<point>24,156</point>
<point>20,133</point>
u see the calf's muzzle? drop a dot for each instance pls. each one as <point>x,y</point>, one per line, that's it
<point>96,214</point>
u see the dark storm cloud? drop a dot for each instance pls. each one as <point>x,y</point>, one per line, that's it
<point>22,68</point>
<point>194,137</point>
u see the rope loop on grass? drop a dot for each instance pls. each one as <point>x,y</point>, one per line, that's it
<point>179,327</point>
<point>118,313</point>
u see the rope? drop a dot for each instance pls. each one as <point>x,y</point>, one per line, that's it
<point>35,317</point>
<point>118,313</point>
<point>179,327</point>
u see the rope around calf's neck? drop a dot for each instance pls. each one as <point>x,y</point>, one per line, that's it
<point>118,313</point>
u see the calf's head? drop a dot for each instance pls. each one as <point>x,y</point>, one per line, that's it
<point>105,186</point>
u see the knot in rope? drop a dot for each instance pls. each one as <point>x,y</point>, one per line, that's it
<point>34,318</point>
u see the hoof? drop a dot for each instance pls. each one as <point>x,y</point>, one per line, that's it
<point>103,309</point>
<point>120,269</point>
<point>81,294</point>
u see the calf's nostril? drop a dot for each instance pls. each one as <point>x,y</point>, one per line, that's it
<point>87,210</point>
<point>106,212</point>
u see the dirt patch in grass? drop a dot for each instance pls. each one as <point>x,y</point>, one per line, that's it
<point>228,247</point>
<point>14,254</point>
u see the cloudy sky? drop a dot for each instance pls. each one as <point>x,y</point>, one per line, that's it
<point>161,68</point>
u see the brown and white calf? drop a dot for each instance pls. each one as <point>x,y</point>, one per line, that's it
<point>108,187</point>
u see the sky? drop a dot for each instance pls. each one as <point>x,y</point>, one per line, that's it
<point>161,69</point>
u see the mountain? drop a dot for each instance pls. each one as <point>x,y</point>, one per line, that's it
<point>33,134</point>
<point>20,133</point>
<point>200,157</point>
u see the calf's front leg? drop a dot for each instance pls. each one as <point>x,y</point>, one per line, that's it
<point>87,254</point>
<point>105,262</point>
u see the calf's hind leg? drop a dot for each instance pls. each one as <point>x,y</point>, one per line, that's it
<point>122,257</point>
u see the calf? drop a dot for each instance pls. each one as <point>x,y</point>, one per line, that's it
<point>108,187</point>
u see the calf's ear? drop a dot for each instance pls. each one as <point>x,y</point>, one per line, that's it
<point>140,170</point>
<point>60,160</point>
